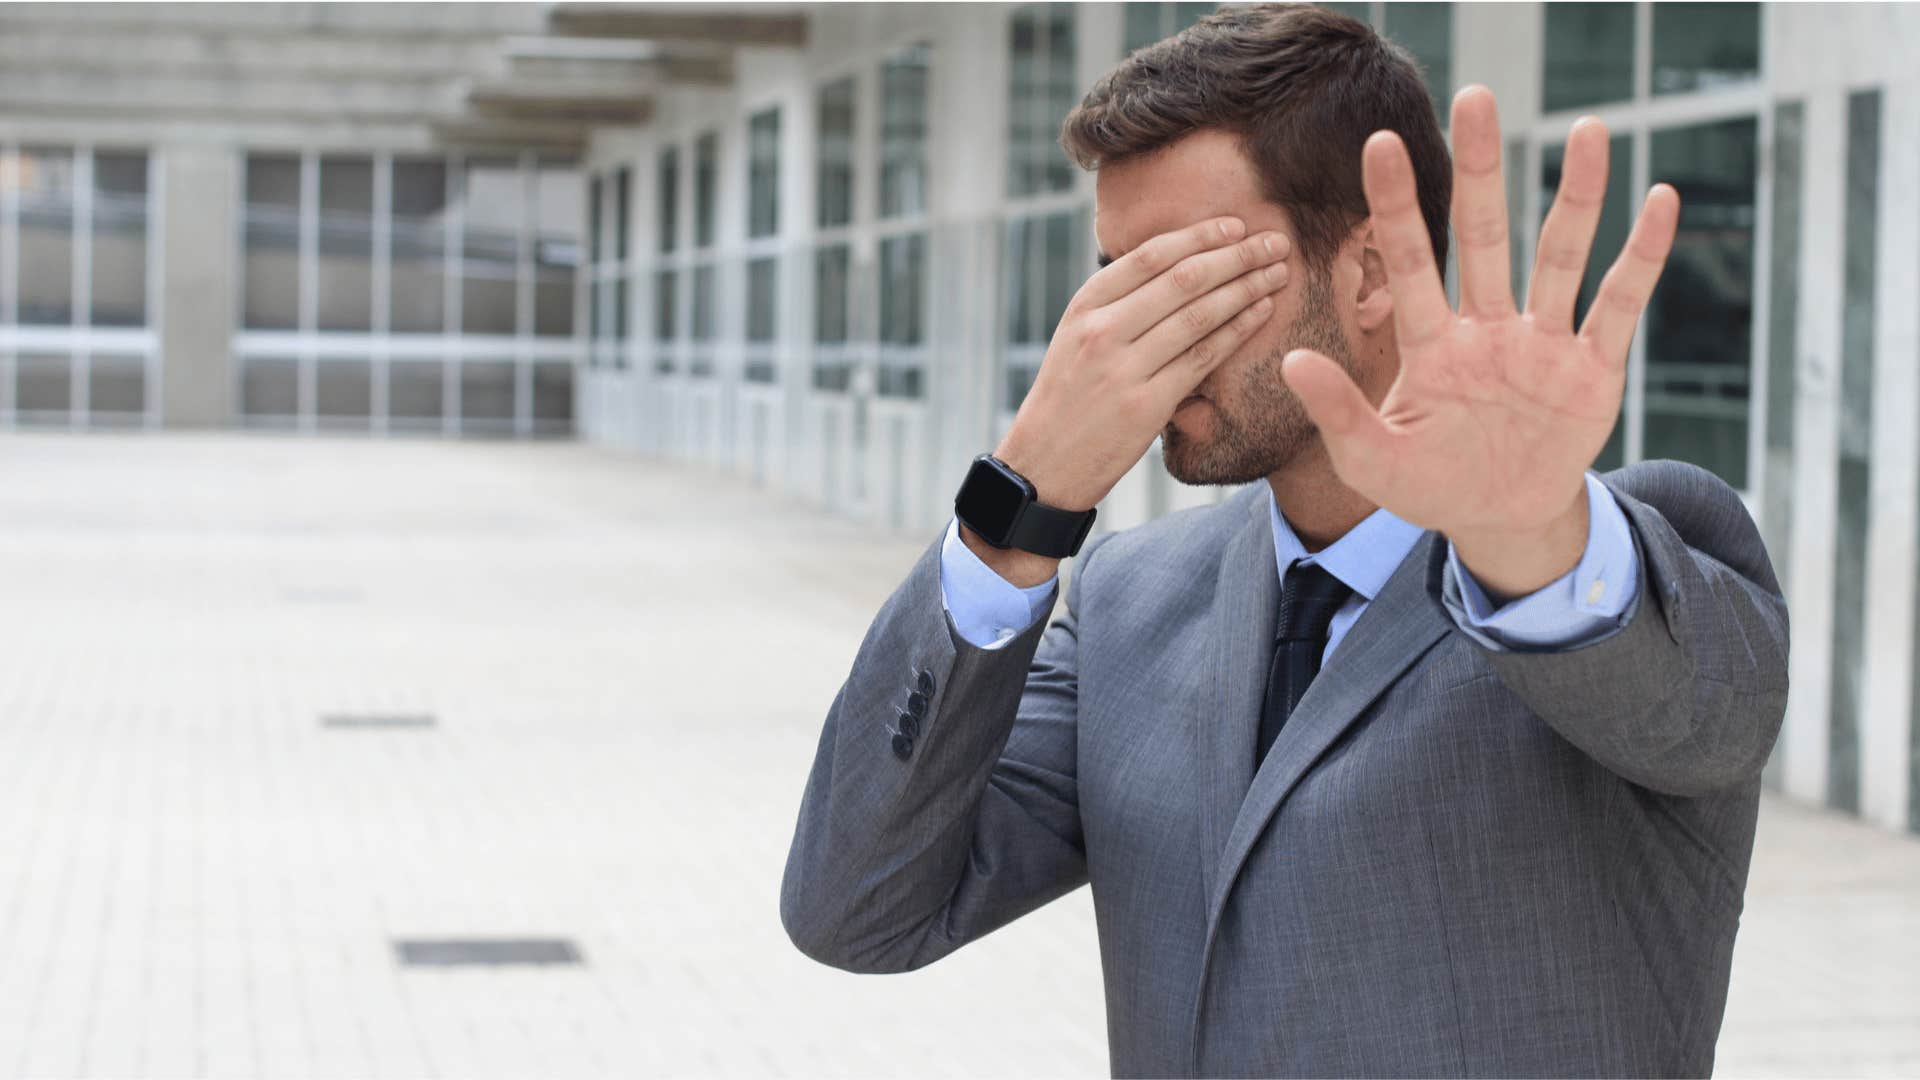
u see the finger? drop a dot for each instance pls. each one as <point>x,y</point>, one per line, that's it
<point>1133,315</point>
<point>1357,438</point>
<point>1177,377</point>
<point>1179,330</point>
<point>1629,283</point>
<point>1153,258</point>
<point>1566,239</point>
<point>1420,310</point>
<point>1480,206</point>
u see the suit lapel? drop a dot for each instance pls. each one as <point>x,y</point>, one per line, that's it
<point>1246,602</point>
<point>1399,626</point>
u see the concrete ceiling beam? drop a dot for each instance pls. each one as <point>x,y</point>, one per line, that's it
<point>764,25</point>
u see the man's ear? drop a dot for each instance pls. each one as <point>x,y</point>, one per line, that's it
<point>1373,300</point>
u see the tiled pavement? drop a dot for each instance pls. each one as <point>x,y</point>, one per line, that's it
<point>627,664</point>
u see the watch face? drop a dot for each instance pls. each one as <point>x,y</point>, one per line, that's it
<point>989,501</point>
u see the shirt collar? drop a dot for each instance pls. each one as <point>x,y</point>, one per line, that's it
<point>1363,559</point>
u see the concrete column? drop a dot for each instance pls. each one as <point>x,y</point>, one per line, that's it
<point>199,198</point>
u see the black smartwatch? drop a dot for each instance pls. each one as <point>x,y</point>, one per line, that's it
<point>999,504</point>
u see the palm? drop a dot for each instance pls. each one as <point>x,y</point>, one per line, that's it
<point>1496,413</point>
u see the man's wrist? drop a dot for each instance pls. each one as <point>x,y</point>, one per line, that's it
<point>1020,568</point>
<point>1515,563</point>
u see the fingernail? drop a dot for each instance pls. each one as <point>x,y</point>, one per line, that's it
<point>1263,305</point>
<point>1273,249</point>
<point>1230,228</point>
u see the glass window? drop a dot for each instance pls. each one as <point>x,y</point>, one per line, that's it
<point>343,392</point>
<point>706,162</point>
<point>119,239</point>
<point>116,389</point>
<point>1426,31</point>
<point>833,154</point>
<point>486,394</point>
<point>46,235</point>
<point>1783,328</point>
<point>1701,46</point>
<point>1588,56</point>
<point>346,244</point>
<point>763,173</point>
<point>903,132</point>
<point>596,218</point>
<point>1044,267</point>
<point>763,299</point>
<point>1042,90</point>
<point>43,387</point>
<point>669,195</point>
<point>415,393</point>
<point>272,283</point>
<point>703,303</point>
<point>495,205</point>
<point>1856,450</point>
<point>830,268</point>
<point>666,291</point>
<point>553,394</point>
<point>270,386</point>
<point>556,247</point>
<point>1699,324</point>
<point>903,262</point>
<point>620,318</point>
<point>1608,240</point>
<point>417,286</point>
<point>622,211</point>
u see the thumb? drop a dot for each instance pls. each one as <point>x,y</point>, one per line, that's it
<point>1355,435</point>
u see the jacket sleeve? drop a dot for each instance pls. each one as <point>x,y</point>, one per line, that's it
<point>1687,696</point>
<point>907,848</point>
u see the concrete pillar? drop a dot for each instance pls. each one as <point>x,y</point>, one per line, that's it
<point>199,198</point>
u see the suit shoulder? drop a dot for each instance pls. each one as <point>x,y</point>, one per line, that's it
<point>1703,510</point>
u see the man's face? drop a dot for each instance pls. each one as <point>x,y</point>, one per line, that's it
<point>1242,423</point>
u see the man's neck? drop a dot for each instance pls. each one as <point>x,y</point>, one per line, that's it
<point>1318,507</point>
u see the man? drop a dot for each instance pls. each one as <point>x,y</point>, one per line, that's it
<point>1434,753</point>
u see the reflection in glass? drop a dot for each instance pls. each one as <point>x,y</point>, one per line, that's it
<point>1699,324</point>
<point>486,394</point>
<point>1426,31</point>
<point>903,132</point>
<point>669,196</point>
<point>119,239</point>
<point>1703,46</point>
<point>343,392</point>
<point>495,205</point>
<point>417,290</point>
<point>1608,240</point>
<point>271,288</point>
<point>43,388</point>
<point>46,177</point>
<point>706,165</point>
<point>556,247</point>
<point>1856,450</point>
<point>346,244</point>
<point>763,173</point>
<point>1589,55</point>
<point>833,154</point>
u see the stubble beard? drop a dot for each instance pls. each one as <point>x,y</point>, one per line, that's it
<point>1259,425</point>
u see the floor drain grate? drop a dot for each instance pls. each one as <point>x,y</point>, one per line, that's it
<point>378,720</point>
<point>454,952</point>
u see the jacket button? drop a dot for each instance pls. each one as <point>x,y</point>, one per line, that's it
<point>909,726</point>
<point>917,705</point>
<point>926,682</point>
<point>902,745</point>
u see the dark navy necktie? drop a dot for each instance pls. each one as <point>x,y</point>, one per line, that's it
<point>1308,598</point>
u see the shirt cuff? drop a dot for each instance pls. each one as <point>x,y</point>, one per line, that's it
<point>987,609</point>
<point>1580,606</point>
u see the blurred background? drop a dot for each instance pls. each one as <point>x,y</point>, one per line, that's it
<point>451,454</point>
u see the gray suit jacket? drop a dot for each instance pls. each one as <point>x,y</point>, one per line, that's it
<point>1454,861</point>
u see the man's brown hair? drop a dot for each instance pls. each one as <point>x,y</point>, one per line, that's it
<point>1303,87</point>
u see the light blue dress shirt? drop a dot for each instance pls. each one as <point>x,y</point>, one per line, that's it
<point>1583,604</point>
